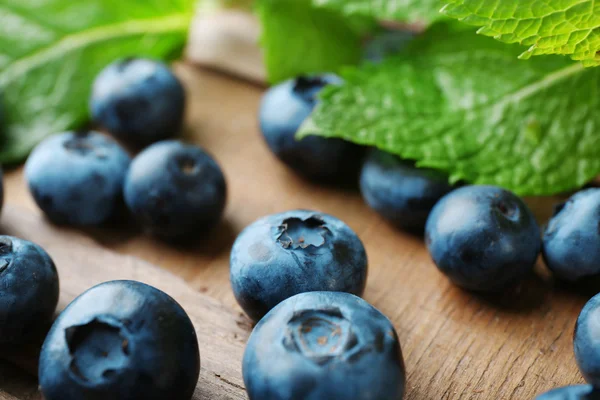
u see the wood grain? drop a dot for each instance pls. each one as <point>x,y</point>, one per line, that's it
<point>456,345</point>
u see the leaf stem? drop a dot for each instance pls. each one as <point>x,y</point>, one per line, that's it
<point>78,40</point>
<point>544,83</point>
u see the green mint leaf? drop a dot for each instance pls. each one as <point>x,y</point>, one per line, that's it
<point>299,39</point>
<point>215,5</point>
<point>51,50</point>
<point>567,27</point>
<point>389,10</point>
<point>465,104</point>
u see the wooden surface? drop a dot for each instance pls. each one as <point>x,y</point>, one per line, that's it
<point>456,345</point>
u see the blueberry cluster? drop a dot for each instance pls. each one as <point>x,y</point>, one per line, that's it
<point>298,274</point>
<point>175,190</point>
<point>118,340</point>
<point>483,238</point>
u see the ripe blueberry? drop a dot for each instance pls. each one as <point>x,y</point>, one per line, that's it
<point>571,245</point>
<point>28,290</point>
<point>120,340</point>
<point>175,189</point>
<point>283,109</point>
<point>139,100</point>
<point>77,178</point>
<point>483,238</point>
<point>586,341</point>
<point>284,254</point>
<point>324,345</point>
<point>400,192</point>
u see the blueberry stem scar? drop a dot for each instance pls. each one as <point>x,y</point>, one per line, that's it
<point>298,233</point>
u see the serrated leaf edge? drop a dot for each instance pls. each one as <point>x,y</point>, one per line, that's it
<point>453,10</point>
<point>309,127</point>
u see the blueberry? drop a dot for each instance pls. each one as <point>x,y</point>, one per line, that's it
<point>139,100</point>
<point>175,189</point>
<point>77,178</point>
<point>120,340</point>
<point>284,254</point>
<point>571,245</point>
<point>28,290</point>
<point>483,238</point>
<point>324,345</point>
<point>578,392</point>
<point>399,191</point>
<point>283,109</point>
<point>586,341</point>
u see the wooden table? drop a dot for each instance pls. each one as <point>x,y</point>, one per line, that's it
<point>456,345</point>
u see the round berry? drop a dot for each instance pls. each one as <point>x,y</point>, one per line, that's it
<point>400,192</point>
<point>571,245</point>
<point>483,238</point>
<point>324,345</point>
<point>284,254</point>
<point>77,178</point>
<point>586,341</point>
<point>138,100</point>
<point>28,290</point>
<point>283,109</point>
<point>175,189</point>
<point>120,340</point>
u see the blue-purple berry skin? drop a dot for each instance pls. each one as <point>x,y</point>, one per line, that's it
<point>283,109</point>
<point>175,190</point>
<point>324,345</point>
<point>571,243</point>
<point>76,178</point>
<point>297,251</point>
<point>484,238</point>
<point>138,100</point>
<point>120,340</point>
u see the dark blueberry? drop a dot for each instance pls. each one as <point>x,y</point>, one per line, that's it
<point>120,340</point>
<point>586,341</point>
<point>324,345</point>
<point>297,251</point>
<point>483,238</point>
<point>578,392</point>
<point>139,100</point>
<point>28,290</point>
<point>175,189</point>
<point>571,245</point>
<point>400,192</point>
<point>77,178</point>
<point>283,109</point>
<point>387,43</point>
